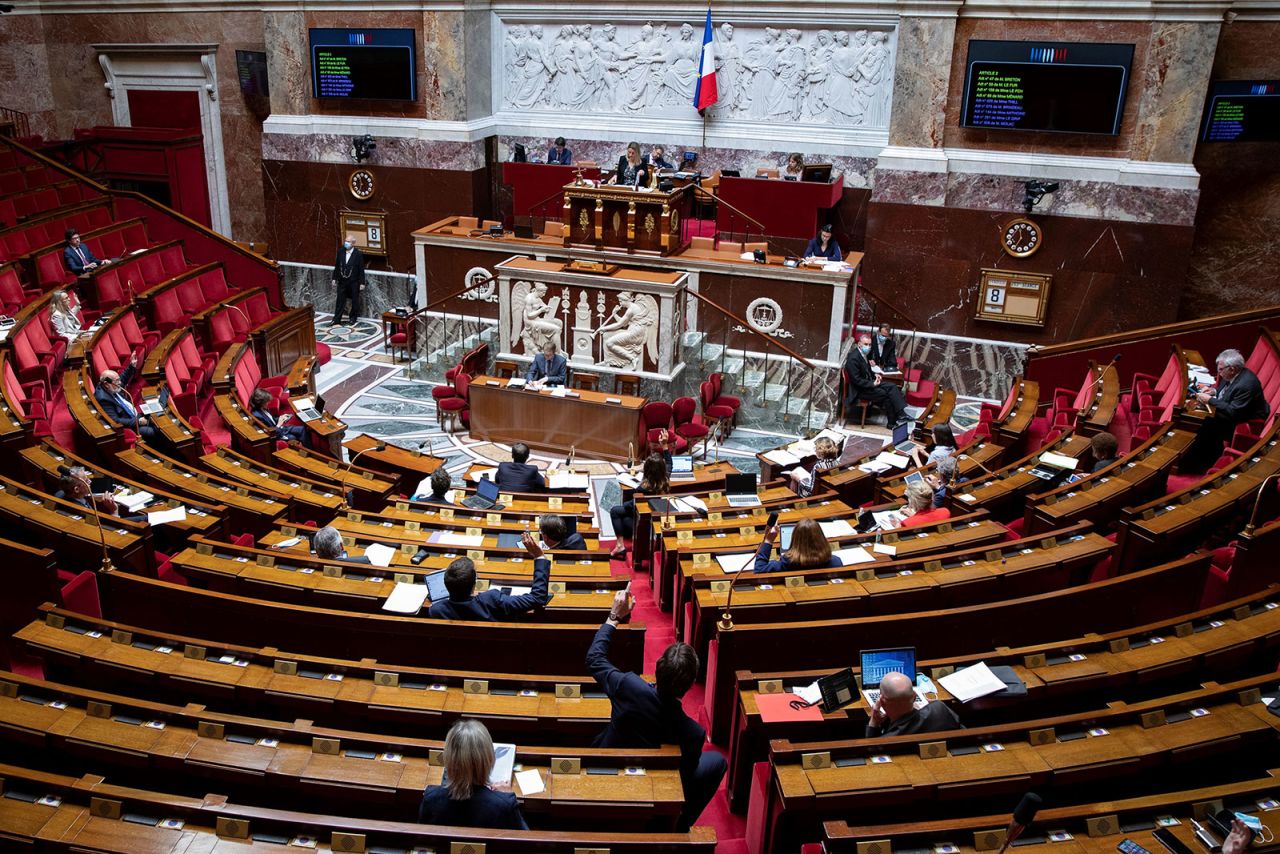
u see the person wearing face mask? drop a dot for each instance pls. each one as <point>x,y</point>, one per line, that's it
<point>865,384</point>
<point>884,352</point>
<point>348,279</point>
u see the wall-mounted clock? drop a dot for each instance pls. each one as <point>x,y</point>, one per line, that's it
<point>361,184</point>
<point>1021,237</point>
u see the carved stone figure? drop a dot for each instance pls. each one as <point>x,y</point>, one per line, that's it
<point>533,70</point>
<point>681,75</point>
<point>728,66</point>
<point>533,320</point>
<point>784,97</point>
<point>630,332</point>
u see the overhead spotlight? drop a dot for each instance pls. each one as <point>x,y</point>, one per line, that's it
<point>362,147</point>
<point>1036,191</point>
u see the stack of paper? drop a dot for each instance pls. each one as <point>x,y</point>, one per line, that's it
<point>972,682</point>
<point>133,501</point>
<point>516,382</point>
<point>697,504</point>
<point>559,391</point>
<point>378,554</point>
<point>848,557</point>
<point>565,480</point>
<point>477,475</point>
<point>1058,461</point>
<point>892,459</point>
<point>836,528</point>
<point>530,782</point>
<point>783,458</point>
<point>447,538</point>
<point>161,517</point>
<point>406,598</point>
<point>735,563</point>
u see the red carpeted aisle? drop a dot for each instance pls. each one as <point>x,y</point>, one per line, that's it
<point>659,634</point>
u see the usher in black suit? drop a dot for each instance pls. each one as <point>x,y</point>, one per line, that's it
<point>348,274</point>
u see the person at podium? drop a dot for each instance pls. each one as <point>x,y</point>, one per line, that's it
<point>632,171</point>
<point>548,367</point>
<point>794,168</point>
<point>823,247</point>
<point>559,154</point>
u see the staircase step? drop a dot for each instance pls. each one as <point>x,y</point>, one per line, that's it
<point>751,380</point>
<point>733,366</point>
<point>693,340</point>
<point>775,391</point>
<point>710,352</point>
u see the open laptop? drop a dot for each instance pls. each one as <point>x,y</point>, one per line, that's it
<point>486,497</point>
<point>311,413</point>
<point>682,468</point>
<point>740,490</point>
<point>876,663</point>
<point>155,405</point>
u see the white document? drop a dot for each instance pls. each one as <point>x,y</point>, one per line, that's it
<point>134,500</point>
<point>874,467</point>
<point>406,598</point>
<point>876,369</point>
<point>378,554</point>
<point>892,459</point>
<point>613,400</point>
<point>735,563</point>
<point>782,457</point>
<point>972,682</point>
<point>478,475</point>
<point>516,382</point>
<point>848,557</point>
<point>628,481</point>
<point>810,693</point>
<point>836,528</point>
<point>559,391</point>
<point>504,764</point>
<point>565,480</point>
<point>530,782</point>
<point>887,520</point>
<point>1059,461</point>
<point>696,503</point>
<point>467,542</point>
<point>882,549</point>
<point>161,517</point>
<point>834,435</point>
<point>301,403</point>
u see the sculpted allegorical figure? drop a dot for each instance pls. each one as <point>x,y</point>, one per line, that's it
<point>533,319</point>
<point>728,68</point>
<point>534,68</point>
<point>784,96</point>
<point>630,332</point>
<point>614,60</point>
<point>681,76</point>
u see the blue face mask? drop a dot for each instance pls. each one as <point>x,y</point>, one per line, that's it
<point>347,245</point>
<point>864,348</point>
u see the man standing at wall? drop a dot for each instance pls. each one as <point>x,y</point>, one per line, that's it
<point>348,279</point>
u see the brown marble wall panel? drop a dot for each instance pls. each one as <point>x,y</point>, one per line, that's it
<point>24,71</point>
<point>447,269</point>
<point>806,312</point>
<point>1107,276</point>
<point>304,201</point>
<point>1235,262</point>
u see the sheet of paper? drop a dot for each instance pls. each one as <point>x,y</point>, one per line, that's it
<point>559,391</point>
<point>783,458</point>
<point>477,475</point>
<point>775,708</point>
<point>888,519</point>
<point>833,434</point>
<point>1059,461</point>
<point>134,500</point>
<point>848,557</point>
<point>378,554</point>
<point>874,467</point>
<point>445,538</point>
<point>735,563</point>
<point>530,782</point>
<point>406,598</point>
<point>423,487</point>
<point>836,528</point>
<point>516,382</point>
<point>302,403</point>
<point>810,693</point>
<point>565,480</point>
<point>628,481</point>
<point>162,517</point>
<point>882,549</point>
<point>696,503</point>
<point>892,459</point>
<point>504,763</point>
<point>972,682</point>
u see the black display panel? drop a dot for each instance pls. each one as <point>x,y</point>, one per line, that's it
<point>374,65</point>
<point>1060,87</point>
<point>1242,111</point>
<point>251,67</point>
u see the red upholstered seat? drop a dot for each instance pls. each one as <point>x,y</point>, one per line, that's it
<point>324,353</point>
<point>683,413</point>
<point>458,407</point>
<point>80,594</point>
<point>656,417</point>
<point>719,397</point>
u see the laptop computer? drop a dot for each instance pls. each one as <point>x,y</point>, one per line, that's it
<point>682,468</point>
<point>311,413</point>
<point>740,490</point>
<point>877,663</point>
<point>486,497</point>
<point>436,591</point>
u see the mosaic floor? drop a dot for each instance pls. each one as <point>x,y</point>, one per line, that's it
<point>374,395</point>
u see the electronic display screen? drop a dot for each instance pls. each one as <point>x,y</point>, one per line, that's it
<point>374,65</point>
<point>251,67</point>
<point>1242,111</point>
<point>1060,87</point>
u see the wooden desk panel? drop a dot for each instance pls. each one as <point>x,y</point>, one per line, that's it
<point>589,424</point>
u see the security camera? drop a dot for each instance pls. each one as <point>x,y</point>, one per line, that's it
<point>5,8</point>
<point>1035,192</point>
<point>362,147</point>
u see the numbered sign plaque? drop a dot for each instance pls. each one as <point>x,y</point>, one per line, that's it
<point>1011,297</point>
<point>369,229</point>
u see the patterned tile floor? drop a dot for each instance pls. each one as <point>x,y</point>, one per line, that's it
<point>373,395</point>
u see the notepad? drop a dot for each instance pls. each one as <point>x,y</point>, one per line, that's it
<point>848,557</point>
<point>162,517</point>
<point>378,554</point>
<point>530,782</point>
<point>406,598</point>
<point>836,528</point>
<point>735,563</point>
<point>972,682</point>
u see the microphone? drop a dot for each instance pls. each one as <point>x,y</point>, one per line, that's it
<point>978,464</point>
<point>1257,502</point>
<point>1023,815</point>
<point>1098,379</point>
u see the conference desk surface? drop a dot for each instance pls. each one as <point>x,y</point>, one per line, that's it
<point>588,421</point>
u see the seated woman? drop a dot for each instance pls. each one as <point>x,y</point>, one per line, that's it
<point>64,317</point>
<point>795,166</point>
<point>275,426</point>
<point>824,245</point>
<point>828,456</point>
<point>466,798</point>
<point>1104,449</point>
<point>809,550</point>
<point>655,480</point>
<point>920,510</point>
<point>441,483</point>
<point>944,445</point>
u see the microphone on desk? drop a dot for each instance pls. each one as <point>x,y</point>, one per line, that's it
<point>1102,373</point>
<point>978,464</point>
<point>1023,815</point>
<point>1257,502</point>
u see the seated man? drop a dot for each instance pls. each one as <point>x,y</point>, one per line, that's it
<point>492,604</point>
<point>1236,399</point>
<point>518,475</point>
<point>548,366</point>
<point>328,545</point>
<point>441,483</point>
<point>645,715</point>
<point>1104,448</point>
<point>75,487</point>
<point>658,158</point>
<point>118,406</point>
<point>865,384</point>
<point>895,712</point>
<point>78,257</point>
<point>555,533</point>
<point>559,153</point>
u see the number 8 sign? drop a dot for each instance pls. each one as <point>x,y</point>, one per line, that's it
<point>995,296</point>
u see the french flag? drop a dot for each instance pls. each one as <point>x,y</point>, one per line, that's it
<point>705,94</point>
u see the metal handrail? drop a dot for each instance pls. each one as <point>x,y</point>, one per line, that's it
<point>455,294</point>
<point>769,342</point>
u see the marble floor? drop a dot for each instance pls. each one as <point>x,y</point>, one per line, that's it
<point>364,387</point>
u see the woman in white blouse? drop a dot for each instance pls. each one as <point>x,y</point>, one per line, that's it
<point>64,317</point>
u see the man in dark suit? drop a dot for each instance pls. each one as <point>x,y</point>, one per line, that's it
<point>348,279</point>
<point>518,475</point>
<point>548,365</point>
<point>865,384</point>
<point>559,154</point>
<point>492,604</point>
<point>441,483</point>
<point>1238,398</point>
<point>645,715</point>
<point>884,351</point>
<point>112,395</point>
<point>78,257</point>
<point>657,158</point>
<point>555,533</point>
<point>328,546</point>
<point>895,712</point>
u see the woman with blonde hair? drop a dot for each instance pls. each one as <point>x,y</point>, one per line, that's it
<point>828,453</point>
<point>465,797</point>
<point>63,317</point>
<point>809,550</point>
<point>920,510</point>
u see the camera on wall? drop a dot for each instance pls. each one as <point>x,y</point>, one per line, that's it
<point>362,147</point>
<point>1036,191</point>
